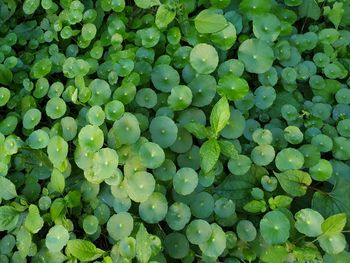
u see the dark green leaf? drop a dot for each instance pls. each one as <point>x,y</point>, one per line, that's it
<point>294,182</point>
<point>5,75</point>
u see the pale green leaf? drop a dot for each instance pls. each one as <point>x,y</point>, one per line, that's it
<point>209,22</point>
<point>8,218</point>
<point>164,16</point>
<point>334,224</point>
<point>143,242</point>
<point>8,189</point>
<point>33,221</point>
<point>84,250</point>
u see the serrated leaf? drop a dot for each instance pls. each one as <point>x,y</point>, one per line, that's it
<point>228,149</point>
<point>8,189</point>
<point>58,209</point>
<point>33,221</point>
<point>334,224</point>
<point>84,250</point>
<point>8,218</point>
<point>209,154</point>
<point>294,182</point>
<point>143,251</point>
<point>5,75</point>
<point>220,115</point>
<point>145,4</point>
<point>23,242</point>
<point>197,130</point>
<point>164,16</point>
<point>57,182</point>
<point>207,22</point>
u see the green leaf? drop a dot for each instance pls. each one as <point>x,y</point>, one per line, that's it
<point>334,224</point>
<point>145,4</point>
<point>23,242</point>
<point>207,22</point>
<point>73,199</point>
<point>57,182</point>
<point>237,188</point>
<point>5,75</point>
<point>209,153</point>
<point>332,244</point>
<point>294,182</point>
<point>274,227</point>
<point>8,189</point>
<point>197,130</point>
<point>275,254</point>
<point>58,209</point>
<point>84,250</point>
<point>8,218</point>
<point>33,221</point>
<point>335,14</point>
<point>220,115</point>
<point>228,149</point>
<point>164,16</point>
<point>143,252</point>
<point>337,201</point>
<point>309,8</point>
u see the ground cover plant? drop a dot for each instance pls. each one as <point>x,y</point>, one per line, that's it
<point>174,131</point>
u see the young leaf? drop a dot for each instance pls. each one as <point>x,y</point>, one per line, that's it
<point>197,130</point>
<point>8,218</point>
<point>58,209</point>
<point>145,4</point>
<point>294,182</point>
<point>207,22</point>
<point>334,224</point>
<point>143,253</point>
<point>209,153</point>
<point>8,189</point>
<point>228,149</point>
<point>33,222</point>
<point>164,16</point>
<point>23,241</point>
<point>220,115</point>
<point>57,182</point>
<point>84,250</point>
<point>5,75</point>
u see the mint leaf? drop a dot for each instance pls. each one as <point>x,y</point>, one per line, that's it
<point>334,224</point>
<point>143,251</point>
<point>228,149</point>
<point>197,130</point>
<point>84,250</point>
<point>209,153</point>
<point>220,115</point>
<point>8,218</point>
<point>8,189</point>
<point>33,221</point>
<point>164,16</point>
